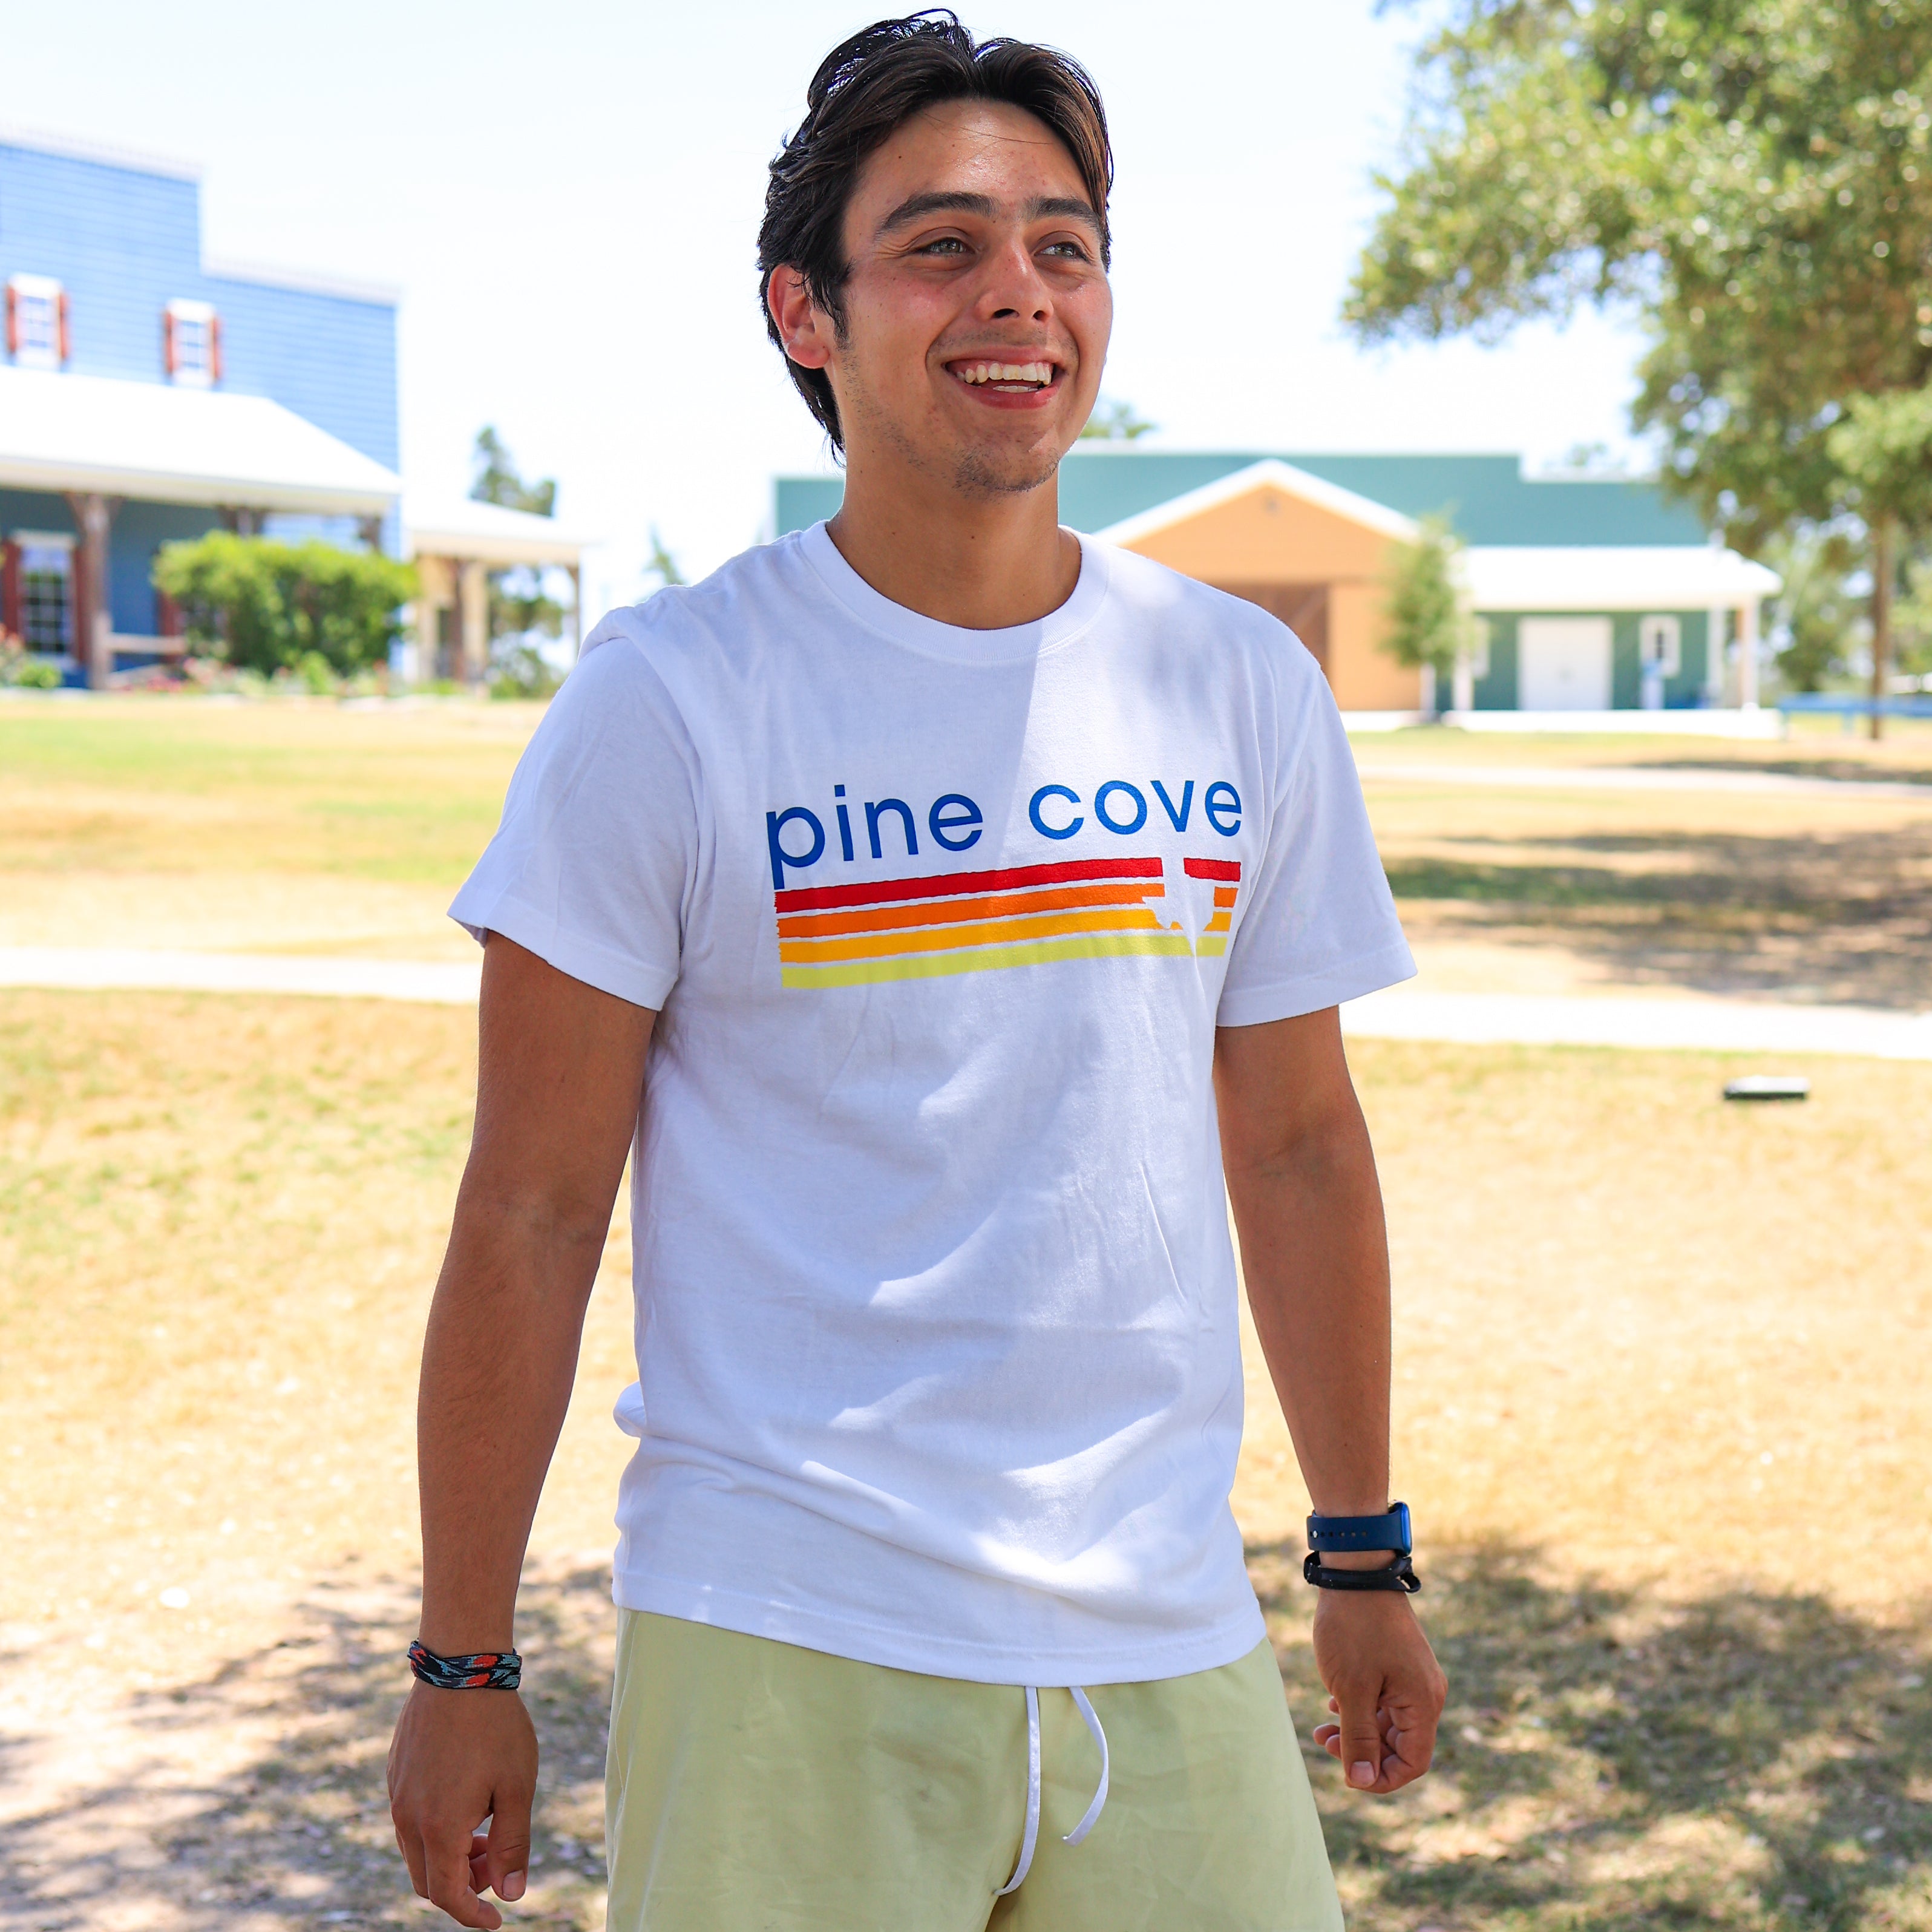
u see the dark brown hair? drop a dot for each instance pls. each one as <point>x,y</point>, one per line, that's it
<point>865,88</point>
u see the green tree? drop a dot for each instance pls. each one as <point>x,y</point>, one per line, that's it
<point>1754,177</point>
<point>1115,422</point>
<point>267,606</point>
<point>1884,448</point>
<point>518,602</point>
<point>1430,626</point>
<point>1815,620</point>
<point>661,563</point>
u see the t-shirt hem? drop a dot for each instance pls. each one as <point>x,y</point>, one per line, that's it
<point>1223,1642</point>
<point>1287,999</point>
<point>642,985</point>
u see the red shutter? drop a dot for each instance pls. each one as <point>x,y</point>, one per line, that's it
<point>10,587</point>
<point>167,616</point>
<point>13,322</point>
<point>168,342</point>
<point>215,349</point>
<point>66,336</point>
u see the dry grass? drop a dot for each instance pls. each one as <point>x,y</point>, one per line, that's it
<point>282,826</point>
<point>1646,1343</point>
<point>1643,1340</point>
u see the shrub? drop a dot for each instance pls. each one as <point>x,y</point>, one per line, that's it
<point>20,668</point>
<point>267,606</point>
<point>519,669</point>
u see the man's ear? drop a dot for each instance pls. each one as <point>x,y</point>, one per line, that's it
<point>805,332</point>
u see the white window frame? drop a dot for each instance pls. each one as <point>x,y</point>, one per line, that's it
<point>1659,640</point>
<point>22,290</point>
<point>200,315</point>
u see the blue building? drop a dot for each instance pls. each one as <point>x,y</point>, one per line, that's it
<point>146,395</point>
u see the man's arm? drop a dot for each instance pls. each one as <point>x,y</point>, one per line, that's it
<point>1308,1208</point>
<point>560,1076</point>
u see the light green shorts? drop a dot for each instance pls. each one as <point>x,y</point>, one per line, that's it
<point>755,1787</point>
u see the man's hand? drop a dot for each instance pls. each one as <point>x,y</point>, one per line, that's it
<point>1384,1685</point>
<point>459,1757</point>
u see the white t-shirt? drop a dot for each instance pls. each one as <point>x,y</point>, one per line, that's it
<point>937,1338</point>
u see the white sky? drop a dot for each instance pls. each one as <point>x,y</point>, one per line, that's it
<point>569,196</point>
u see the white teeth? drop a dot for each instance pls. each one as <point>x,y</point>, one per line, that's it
<point>1041,373</point>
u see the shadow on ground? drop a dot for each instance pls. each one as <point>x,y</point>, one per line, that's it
<point>1849,767</point>
<point>1608,1762</point>
<point>1611,1762</point>
<point>298,1833</point>
<point>1845,918</point>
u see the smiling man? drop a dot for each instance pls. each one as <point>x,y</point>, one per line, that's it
<point>952,913</point>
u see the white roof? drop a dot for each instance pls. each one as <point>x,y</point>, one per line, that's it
<point>459,527</point>
<point>1270,471</point>
<point>1612,577</point>
<point>175,445</point>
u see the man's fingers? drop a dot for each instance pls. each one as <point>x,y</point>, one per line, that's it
<point>450,1888</point>
<point>507,1857</point>
<point>410,1845</point>
<point>1359,1743</point>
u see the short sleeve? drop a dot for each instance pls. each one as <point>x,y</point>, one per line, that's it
<point>591,867</point>
<point>1321,927</point>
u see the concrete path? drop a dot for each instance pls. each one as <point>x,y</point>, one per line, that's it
<point>1733,1026</point>
<point>1701,1026</point>
<point>1639,779</point>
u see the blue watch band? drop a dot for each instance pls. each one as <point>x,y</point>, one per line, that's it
<point>1390,1530</point>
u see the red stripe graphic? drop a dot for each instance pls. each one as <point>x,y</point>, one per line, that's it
<point>943,885</point>
<point>1229,869</point>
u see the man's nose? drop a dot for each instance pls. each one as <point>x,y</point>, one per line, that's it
<point>1014,288</point>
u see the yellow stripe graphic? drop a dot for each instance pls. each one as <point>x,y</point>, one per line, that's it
<point>990,958</point>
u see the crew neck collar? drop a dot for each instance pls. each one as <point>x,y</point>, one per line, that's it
<point>930,638</point>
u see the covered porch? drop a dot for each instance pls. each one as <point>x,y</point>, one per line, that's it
<point>456,544</point>
<point>96,475</point>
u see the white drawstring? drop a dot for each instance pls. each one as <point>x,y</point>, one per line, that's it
<point>1030,1837</point>
<point>1032,1833</point>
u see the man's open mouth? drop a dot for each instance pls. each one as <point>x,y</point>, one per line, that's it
<point>1009,378</point>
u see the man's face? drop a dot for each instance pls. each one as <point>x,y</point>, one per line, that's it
<point>977,311</point>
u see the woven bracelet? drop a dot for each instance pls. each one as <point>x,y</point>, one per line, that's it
<point>487,1670</point>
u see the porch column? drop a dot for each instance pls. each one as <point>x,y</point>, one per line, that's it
<point>1747,655</point>
<point>1716,630</point>
<point>576,612</point>
<point>472,592</point>
<point>93,613</point>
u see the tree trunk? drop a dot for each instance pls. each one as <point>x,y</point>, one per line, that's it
<point>1883,567</point>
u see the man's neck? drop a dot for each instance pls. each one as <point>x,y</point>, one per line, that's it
<point>982,562</point>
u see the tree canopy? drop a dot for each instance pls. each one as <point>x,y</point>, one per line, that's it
<point>1754,176</point>
<point>518,603</point>
<point>1114,422</point>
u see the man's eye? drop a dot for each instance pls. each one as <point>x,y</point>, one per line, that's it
<point>1071,250</point>
<point>946,245</point>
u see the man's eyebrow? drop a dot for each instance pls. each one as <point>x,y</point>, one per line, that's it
<point>916,207</point>
<point>1041,208</point>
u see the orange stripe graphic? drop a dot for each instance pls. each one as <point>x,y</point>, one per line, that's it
<point>957,912</point>
<point>987,933</point>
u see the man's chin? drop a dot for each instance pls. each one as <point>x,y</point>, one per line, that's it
<point>982,471</point>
